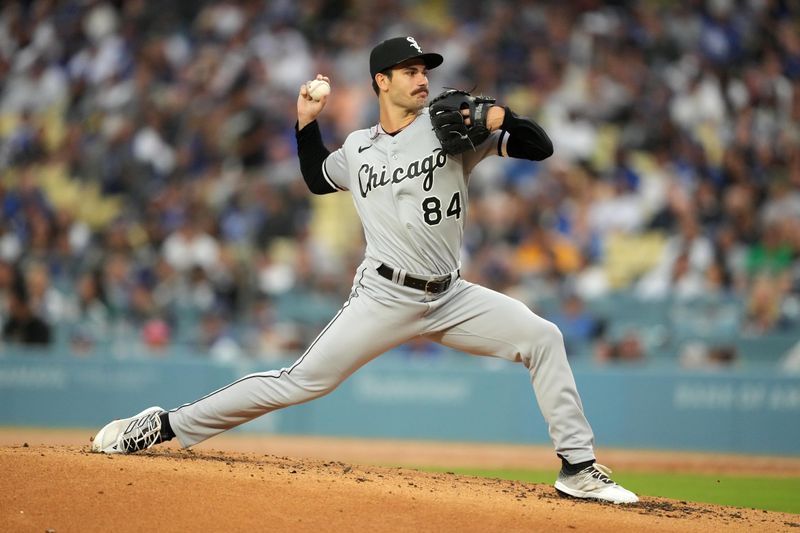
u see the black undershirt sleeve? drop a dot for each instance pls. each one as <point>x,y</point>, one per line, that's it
<point>312,154</point>
<point>527,139</point>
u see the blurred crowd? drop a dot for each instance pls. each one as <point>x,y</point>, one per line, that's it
<point>151,194</point>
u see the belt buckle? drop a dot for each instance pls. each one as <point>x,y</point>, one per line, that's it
<point>440,285</point>
<point>427,283</point>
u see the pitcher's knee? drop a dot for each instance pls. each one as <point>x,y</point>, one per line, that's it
<point>544,340</point>
<point>539,337</point>
<point>550,335</point>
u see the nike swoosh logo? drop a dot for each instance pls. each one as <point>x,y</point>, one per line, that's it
<point>362,148</point>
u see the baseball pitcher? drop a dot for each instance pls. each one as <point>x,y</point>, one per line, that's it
<point>408,176</point>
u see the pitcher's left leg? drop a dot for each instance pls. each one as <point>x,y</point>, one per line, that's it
<point>481,321</point>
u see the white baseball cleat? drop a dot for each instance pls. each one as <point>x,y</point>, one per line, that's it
<point>130,435</point>
<point>593,483</point>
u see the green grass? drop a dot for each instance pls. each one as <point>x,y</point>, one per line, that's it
<point>770,493</point>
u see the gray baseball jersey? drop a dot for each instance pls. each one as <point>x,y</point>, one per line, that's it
<point>412,200</point>
<point>411,197</point>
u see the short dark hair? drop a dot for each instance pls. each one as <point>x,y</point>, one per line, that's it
<point>387,73</point>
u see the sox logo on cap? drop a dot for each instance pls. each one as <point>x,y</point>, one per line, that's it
<point>414,44</point>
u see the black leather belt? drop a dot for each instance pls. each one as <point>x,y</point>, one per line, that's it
<point>434,286</point>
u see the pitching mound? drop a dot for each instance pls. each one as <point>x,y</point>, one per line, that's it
<point>66,488</point>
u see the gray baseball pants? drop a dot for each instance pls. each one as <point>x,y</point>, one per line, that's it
<point>466,317</point>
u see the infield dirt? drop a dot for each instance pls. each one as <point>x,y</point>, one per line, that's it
<point>50,482</point>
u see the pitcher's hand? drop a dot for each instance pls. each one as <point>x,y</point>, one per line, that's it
<point>307,108</point>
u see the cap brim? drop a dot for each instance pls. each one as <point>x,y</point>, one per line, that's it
<point>431,60</point>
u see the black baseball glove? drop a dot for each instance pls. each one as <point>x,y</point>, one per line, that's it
<point>448,122</point>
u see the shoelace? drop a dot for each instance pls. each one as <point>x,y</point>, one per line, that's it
<point>599,472</point>
<point>142,433</point>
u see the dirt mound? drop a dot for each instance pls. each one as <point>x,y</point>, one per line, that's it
<point>65,488</point>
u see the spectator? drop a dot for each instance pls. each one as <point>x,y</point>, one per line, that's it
<point>190,246</point>
<point>89,309</point>
<point>700,355</point>
<point>217,339</point>
<point>764,305</point>
<point>24,327</point>
<point>45,300</point>
<point>9,278</point>
<point>681,271</point>
<point>629,348</point>
<point>156,336</point>
<point>543,252</point>
<point>579,327</point>
<point>772,255</point>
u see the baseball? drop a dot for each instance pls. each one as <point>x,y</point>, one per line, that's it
<point>317,89</point>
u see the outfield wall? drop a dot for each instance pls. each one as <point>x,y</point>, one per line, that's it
<point>471,399</point>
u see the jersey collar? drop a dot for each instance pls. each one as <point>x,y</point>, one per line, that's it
<point>377,129</point>
<point>374,131</point>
